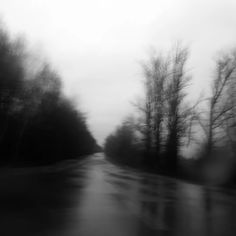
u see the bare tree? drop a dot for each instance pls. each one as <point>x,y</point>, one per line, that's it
<point>167,118</point>
<point>153,108</point>
<point>148,116</point>
<point>221,104</point>
<point>157,71</point>
<point>177,112</point>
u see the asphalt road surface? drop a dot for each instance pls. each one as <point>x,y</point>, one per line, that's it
<point>97,198</point>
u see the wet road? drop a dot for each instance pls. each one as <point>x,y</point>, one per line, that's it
<point>95,197</point>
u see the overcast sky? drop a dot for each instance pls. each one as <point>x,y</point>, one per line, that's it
<point>96,45</point>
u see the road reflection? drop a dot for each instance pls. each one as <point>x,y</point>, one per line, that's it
<point>98,198</point>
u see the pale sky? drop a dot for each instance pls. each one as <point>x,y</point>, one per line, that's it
<point>96,45</point>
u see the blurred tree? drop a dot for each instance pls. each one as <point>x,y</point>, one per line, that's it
<point>11,81</point>
<point>38,125</point>
<point>177,111</point>
<point>123,144</point>
<point>156,75</point>
<point>221,106</point>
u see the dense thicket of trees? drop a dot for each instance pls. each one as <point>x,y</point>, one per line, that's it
<point>38,124</point>
<point>123,145</point>
<point>167,121</point>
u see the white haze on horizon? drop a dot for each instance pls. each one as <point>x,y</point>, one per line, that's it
<point>96,46</point>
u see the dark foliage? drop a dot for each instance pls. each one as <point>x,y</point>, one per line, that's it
<point>122,146</point>
<point>38,125</point>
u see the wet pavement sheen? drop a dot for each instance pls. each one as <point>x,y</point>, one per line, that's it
<point>96,197</point>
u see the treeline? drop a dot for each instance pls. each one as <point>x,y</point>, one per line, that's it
<point>38,124</point>
<point>123,145</point>
<point>170,122</point>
